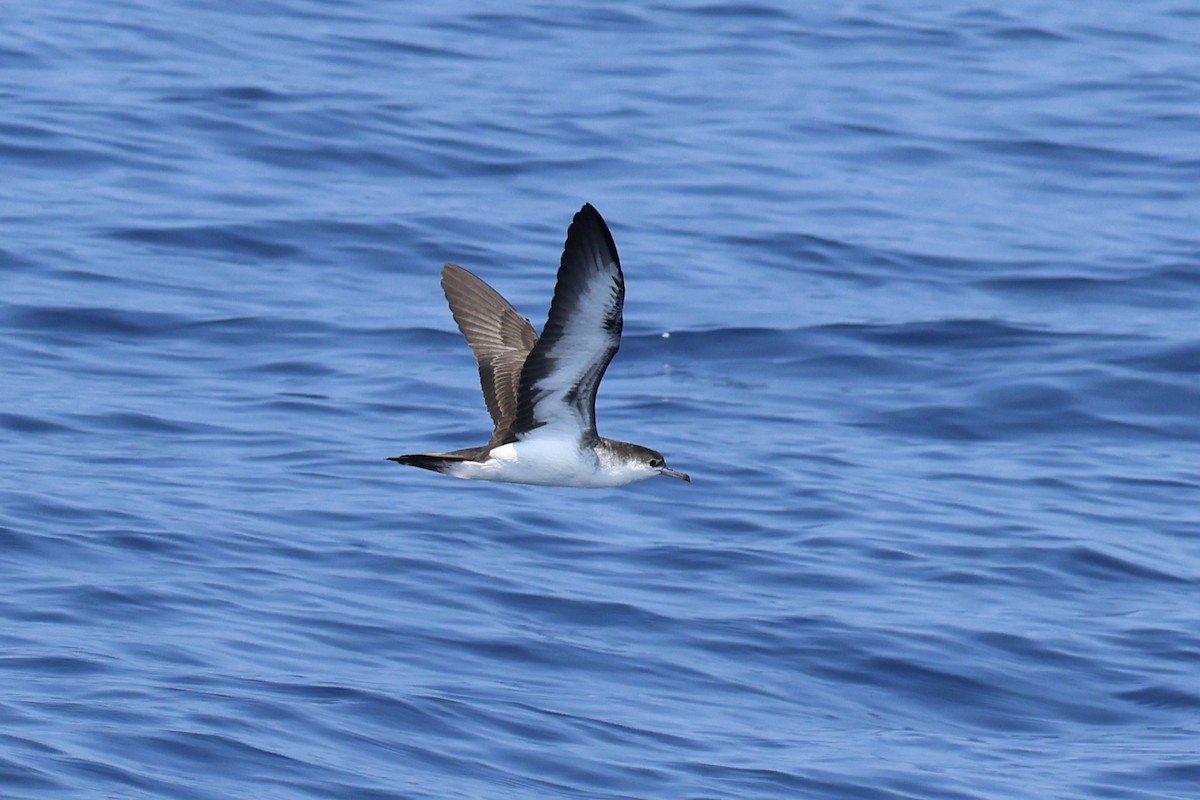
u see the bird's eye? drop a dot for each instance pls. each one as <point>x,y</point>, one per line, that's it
<point>656,462</point>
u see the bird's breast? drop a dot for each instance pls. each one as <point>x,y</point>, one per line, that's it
<point>542,461</point>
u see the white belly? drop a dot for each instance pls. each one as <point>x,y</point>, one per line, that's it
<point>546,462</point>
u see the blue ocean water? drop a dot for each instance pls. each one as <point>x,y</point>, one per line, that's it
<point>913,294</point>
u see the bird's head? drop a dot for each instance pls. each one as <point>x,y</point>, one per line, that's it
<point>638,459</point>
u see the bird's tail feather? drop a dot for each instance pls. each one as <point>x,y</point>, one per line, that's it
<point>438,462</point>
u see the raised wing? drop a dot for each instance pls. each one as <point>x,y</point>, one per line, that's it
<point>499,337</point>
<point>563,370</point>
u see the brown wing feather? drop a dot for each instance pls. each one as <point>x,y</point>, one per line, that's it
<point>499,337</point>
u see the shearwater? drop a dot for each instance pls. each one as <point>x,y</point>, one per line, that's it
<point>541,392</point>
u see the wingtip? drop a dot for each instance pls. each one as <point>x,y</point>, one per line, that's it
<point>454,275</point>
<point>588,224</point>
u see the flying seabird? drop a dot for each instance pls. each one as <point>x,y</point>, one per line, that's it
<point>541,391</point>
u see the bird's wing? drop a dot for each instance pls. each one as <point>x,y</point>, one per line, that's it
<point>557,390</point>
<point>499,337</point>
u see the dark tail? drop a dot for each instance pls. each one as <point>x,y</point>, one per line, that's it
<point>438,462</point>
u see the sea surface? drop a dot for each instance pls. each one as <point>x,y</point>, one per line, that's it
<point>913,292</point>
